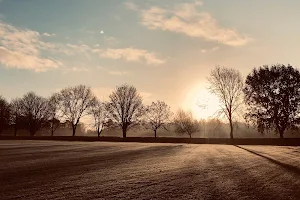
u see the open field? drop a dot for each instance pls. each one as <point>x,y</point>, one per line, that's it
<point>81,170</point>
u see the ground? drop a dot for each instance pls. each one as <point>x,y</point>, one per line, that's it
<point>100,170</point>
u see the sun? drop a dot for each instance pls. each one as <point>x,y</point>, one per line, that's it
<point>201,102</point>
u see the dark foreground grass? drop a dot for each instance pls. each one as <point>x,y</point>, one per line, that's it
<point>124,170</point>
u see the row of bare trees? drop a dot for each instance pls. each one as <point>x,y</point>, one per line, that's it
<point>124,110</point>
<point>269,99</point>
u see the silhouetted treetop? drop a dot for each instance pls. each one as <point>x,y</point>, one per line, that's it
<point>4,114</point>
<point>75,102</point>
<point>34,109</point>
<point>272,96</point>
<point>125,107</point>
<point>185,123</point>
<point>157,115</point>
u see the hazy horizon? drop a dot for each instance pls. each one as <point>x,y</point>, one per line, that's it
<point>166,49</point>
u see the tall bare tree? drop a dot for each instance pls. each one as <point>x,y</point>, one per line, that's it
<point>54,109</point>
<point>125,107</point>
<point>16,114</point>
<point>227,85</point>
<point>157,116</point>
<point>185,123</point>
<point>100,115</point>
<point>4,114</point>
<point>34,109</point>
<point>75,102</point>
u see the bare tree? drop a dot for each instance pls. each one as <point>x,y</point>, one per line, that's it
<point>54,109</point>
<point>157,116</point>
<point>75,102</point>
<point>100,115</point>
<point>125,107</point>
<point>185,123</point>
<point>227,85</point>
<point>16,114</point>
<point>4,114</point>
<point>34,109</point>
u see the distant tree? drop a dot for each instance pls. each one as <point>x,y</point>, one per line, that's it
<point>4,114</point>
<point>125,107</point>
<point>16,118</point>
<point>54,109</point>
<point>185,123</point>
<point>272,96</point>
<point>227,85</point>
<point>75,102</point>
<point>34,109</point>
<point>100,115</point>
<point>214,128</point>
<point>157,115</point>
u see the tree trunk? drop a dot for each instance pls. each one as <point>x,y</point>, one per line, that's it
<point>124,129</point>
<point>231,129</point>
<point>74,129</point>
<point>281,134</point>
<point>15,130</point>
<point>155,133</point>
<point>31,131</point>
<point>98,132</point>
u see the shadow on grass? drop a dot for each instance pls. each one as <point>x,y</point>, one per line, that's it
<point>288,167</point>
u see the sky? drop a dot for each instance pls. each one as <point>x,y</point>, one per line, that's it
<point>165,48</point>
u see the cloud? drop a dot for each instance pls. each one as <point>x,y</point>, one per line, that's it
<point>118,73</point>
<point>67,70</point>
<point>113,72</point>
<point>210,50</point>
<point>48,34</point>
<point>186,19</point>
<point>19,60</point>
<point>22,48</point>
<point>131,6</point>
<point>130,54</point>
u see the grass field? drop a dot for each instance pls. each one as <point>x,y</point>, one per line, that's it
<point>107,170</point>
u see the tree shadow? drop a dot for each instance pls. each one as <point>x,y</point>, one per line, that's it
<point>288,167</point>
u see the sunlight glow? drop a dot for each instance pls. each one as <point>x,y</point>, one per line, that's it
<point>202,104</point>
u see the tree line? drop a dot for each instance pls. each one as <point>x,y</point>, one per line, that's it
<point>270,97</point>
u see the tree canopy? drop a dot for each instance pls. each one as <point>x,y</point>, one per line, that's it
<point>272,96</point>
<point>125,107</point>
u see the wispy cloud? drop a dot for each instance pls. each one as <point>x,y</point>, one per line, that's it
<point>48,34</point>
<point>131,5</point>
<point>113,72</point>
<point>130,54</point>
<point>19,60</point>
<point>118,73</point>
<point>210,50</point>
<point>21,48</point>
<point>186,19</point>
<point>75,69</point>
